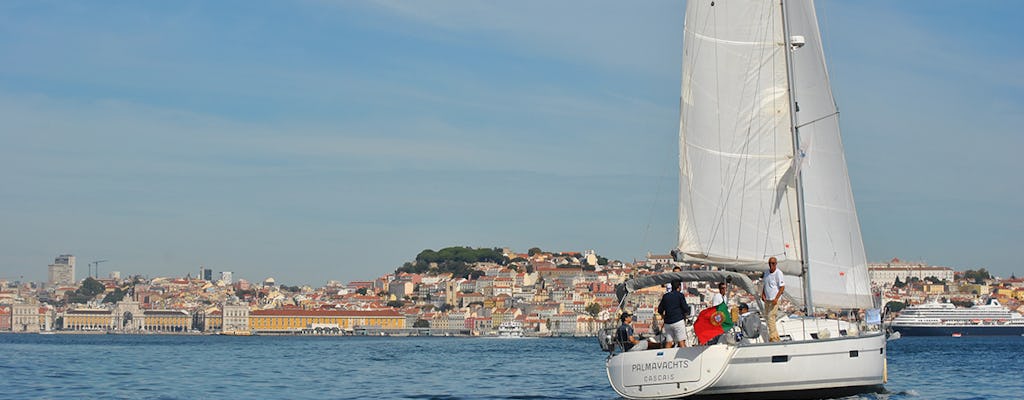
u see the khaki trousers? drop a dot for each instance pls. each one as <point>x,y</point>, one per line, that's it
<point>773,332</point>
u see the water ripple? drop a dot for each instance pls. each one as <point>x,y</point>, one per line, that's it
<point>187,367</point>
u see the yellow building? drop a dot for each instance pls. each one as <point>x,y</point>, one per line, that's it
<point>286,321</point>
<point>167,320</point>
<point>88,320</point>
<point>214,321</point>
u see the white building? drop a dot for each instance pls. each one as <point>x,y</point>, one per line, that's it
<point>25,318</point>
<point>236,318</point>
<point>225,276</point>
<point>885,274</point>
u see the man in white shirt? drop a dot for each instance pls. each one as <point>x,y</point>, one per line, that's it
<point>719,297</point>
<point>774,286</point>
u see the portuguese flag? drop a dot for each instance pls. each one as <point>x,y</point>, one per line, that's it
<point>712,322</point>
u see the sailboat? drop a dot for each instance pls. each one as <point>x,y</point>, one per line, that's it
<point>762,174</point>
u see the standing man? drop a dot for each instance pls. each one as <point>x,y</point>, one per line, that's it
<point>720,296</point>
<point>774,286</point>
<point>625,332</point>
<point>674,310</point>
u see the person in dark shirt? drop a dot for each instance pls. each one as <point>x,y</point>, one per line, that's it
<point>624,335</point>
<point>674,310</point>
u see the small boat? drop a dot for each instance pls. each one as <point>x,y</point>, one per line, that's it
<point>957,334</point>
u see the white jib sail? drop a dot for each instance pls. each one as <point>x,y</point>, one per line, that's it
<point>838,264</point>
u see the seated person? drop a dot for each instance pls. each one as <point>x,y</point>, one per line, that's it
<point>657,341</point>
<point>750,322</point>
<point>624,335</point>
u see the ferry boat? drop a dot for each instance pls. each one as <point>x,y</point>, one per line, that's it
<point>945,319</point>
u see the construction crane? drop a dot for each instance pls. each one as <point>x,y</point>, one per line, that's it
<point>96,265</point>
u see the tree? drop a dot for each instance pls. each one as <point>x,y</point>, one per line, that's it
<point>534,251</point>
<point>421,323</point>
<point>89,290</point>
<point>529,268</point>
<point>602,260</point>
<point>895,306</point>
<point>593,309</point>
<point>115,296</point>
<point>361,291</point>
<point>91,287</point>
<point>898,283</point>
<point>396,304</point>
<point>978,276</point>
<point>455,260</point>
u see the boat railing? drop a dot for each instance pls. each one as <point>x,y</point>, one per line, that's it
<point>607,338</point>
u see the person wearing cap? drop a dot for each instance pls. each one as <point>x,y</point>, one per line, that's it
<point>774,286</point>
<point>624,335</point>
<point>750,323</point>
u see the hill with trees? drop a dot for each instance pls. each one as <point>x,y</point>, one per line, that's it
<point>456,260</point>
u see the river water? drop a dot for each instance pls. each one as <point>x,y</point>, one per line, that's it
<point>200,367</point>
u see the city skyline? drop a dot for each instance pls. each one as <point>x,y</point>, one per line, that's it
<point>335,141</point>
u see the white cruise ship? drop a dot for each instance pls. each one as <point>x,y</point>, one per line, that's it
<point>945,319</point>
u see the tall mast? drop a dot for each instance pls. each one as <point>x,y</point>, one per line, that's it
<point>797,159</point>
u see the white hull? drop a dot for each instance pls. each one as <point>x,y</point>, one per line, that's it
<point>837,365</point>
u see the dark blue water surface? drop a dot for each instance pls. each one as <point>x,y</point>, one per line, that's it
<point>197,367</point>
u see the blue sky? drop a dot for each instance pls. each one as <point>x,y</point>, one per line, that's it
<point>318,140</point>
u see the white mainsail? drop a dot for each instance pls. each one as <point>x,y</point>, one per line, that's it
<point>738,198</point>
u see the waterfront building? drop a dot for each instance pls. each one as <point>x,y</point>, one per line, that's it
<point>25,318</point>
<point>5,318</point>
<point>88,319</point>
<point>167,321</point>
<point>235,318</point>
<point>564,324</point>
<point>295,321</point>
<point>62,271</point>
<point>213,321</point>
